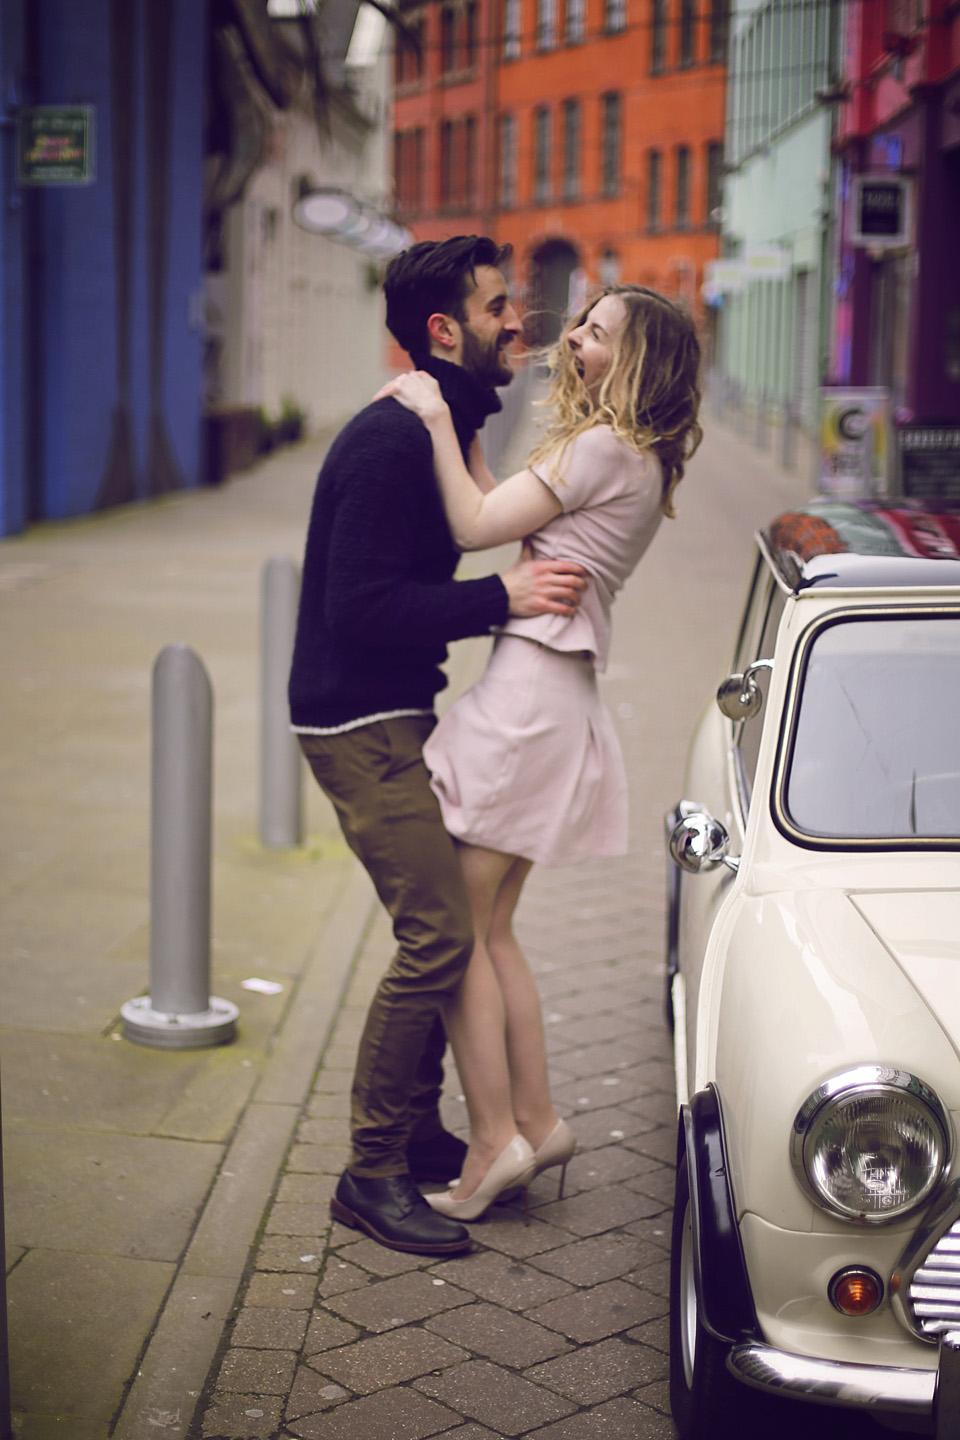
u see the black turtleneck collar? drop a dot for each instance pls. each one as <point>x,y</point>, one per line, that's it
<point>470,402</point>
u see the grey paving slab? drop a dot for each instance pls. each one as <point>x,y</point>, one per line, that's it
<point>97,1194</point>
<point>69,1309</point>
<point>386,1360</point>
<point>619,1419</point>
<point>503,1280</point>
<point>592,1374</point>
<point>496,1397</point>
<point>499,1334</point>
<point>398,1414</point>
<point>399,1301</point>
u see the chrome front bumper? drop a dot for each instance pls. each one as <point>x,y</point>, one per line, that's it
<point>917,1393</point>
<point>833,1382</point>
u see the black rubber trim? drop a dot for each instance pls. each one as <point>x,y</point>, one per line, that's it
<point>726,1301</point>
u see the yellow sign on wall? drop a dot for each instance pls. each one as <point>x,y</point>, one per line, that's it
<point>855,442</point>
<point>55,145</point>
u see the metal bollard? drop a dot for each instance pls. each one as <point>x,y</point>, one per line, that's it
<point>281,761</point>
<point>179,1013</point>
<point>787,452</point>
<point>6,1422</point>
<point>761,417</point>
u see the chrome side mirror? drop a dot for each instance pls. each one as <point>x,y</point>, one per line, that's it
<point>698,842</point>
<point>740,697</point>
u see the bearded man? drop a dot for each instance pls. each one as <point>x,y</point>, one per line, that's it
<point>378,607</point>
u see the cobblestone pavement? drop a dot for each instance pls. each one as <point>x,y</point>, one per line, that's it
<point>556,1329</point>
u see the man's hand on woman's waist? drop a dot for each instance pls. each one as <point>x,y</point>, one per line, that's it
<point>543,587</point>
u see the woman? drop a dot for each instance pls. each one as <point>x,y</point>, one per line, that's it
<point>526,765</point>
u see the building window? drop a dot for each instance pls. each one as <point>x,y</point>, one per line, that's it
<point>615,16</point>
<point>609,267</point>
<point>446,164</point>
<point>719,23</point>
<point>714,184</point>
<point>682,210</point>
<point>511,29</point>
<point>575,31</point>
<point>468,197</point>
<point>688,32</point>
<point>470,35</point>
<point>448,40</point>
<point>546,24</point>
<point>571,150</point>
<point>408,170</point>
<point>408,55</point>
<point>610,175</point>
<point>658,37</point>
<point>541,155</point>
<point>654,190</point>
<point>507,162</point>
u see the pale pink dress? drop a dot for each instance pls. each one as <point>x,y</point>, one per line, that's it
<point>527,761</point>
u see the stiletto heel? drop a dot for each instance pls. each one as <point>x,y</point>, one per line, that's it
<point>513,1167</point>
<point>559,1148</point>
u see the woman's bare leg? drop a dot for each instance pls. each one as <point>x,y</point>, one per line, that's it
<point>526,1043</point>
<point>477,1028</point>
<point>497,1028</point>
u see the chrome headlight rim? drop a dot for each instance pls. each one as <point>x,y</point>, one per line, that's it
<point>864,1081</point>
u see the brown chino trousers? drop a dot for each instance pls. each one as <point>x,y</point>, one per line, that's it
<point>378,784</point>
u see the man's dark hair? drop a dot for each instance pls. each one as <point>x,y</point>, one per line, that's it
<point>434,276</point>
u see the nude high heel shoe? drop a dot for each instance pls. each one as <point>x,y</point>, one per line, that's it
<point>558,1149</point>
<point>514,1167</point>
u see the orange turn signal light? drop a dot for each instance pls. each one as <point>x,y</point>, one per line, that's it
<point>855,1291</point>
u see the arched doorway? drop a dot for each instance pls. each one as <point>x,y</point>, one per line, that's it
<point>551,269</point>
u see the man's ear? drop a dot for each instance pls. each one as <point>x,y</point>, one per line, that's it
<point>443,330</point>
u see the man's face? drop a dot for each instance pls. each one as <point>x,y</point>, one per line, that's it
<point>490,327</point>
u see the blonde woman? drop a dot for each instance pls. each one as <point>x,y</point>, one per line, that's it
<point>526,765</point>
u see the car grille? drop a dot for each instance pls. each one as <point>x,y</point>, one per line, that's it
<point>934,1291</point>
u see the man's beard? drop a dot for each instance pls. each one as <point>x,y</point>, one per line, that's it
<point>486,363</point>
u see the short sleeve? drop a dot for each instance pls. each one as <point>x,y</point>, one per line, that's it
<point>591,469</point>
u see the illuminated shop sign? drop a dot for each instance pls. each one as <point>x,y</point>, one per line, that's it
<point>881,211</point>
<point>55,145</point>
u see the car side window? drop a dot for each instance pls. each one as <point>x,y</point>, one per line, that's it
<point>747,740</point>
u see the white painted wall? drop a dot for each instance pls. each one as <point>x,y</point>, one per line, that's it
<point>300,315</point>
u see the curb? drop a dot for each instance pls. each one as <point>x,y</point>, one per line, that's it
<point>184,1341</point>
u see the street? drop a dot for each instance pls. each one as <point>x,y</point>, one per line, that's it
<point>148,1191</point>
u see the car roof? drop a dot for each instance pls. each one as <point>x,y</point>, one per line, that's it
<point>865,545</point>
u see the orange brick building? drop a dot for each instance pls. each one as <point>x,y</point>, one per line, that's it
<point>587,134</point>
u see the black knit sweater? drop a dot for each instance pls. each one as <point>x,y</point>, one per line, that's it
<point>378,603</point>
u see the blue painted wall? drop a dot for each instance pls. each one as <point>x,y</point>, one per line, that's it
<point>12,482</point>
<point>117,355</point>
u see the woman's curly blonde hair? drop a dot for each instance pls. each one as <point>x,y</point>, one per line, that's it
<point>650,395</point>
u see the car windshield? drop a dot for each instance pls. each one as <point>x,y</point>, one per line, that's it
<point>875,751</point>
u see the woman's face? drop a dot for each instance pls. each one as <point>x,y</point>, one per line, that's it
<point>593,342</point>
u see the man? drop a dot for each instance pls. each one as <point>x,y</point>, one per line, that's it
<point>378,606</point>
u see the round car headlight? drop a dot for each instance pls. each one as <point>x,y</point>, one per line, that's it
<point>871,1144</point>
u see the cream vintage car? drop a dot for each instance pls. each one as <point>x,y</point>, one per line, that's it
<point>814,988</point>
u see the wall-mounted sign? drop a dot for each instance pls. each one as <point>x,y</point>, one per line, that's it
<point>55,145</point>
<point>854,442</point>
<point>731,276</point>
<point>929,458</point>
<point>881,211</point>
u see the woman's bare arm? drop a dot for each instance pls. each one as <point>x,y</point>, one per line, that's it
<point>478,519</point>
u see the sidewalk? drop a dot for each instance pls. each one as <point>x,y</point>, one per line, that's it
<point>147,1190</point>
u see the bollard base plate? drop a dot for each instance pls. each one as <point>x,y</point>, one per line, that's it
<point>146,1026</point>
